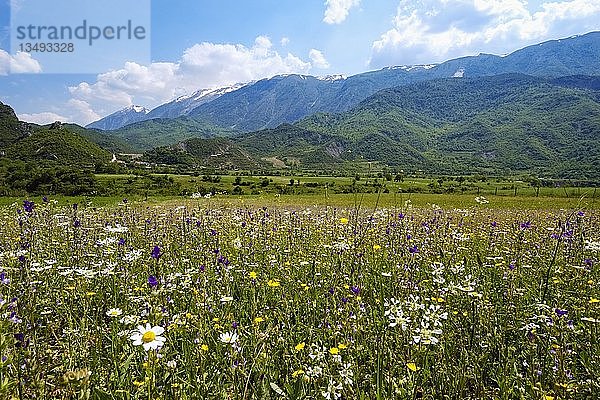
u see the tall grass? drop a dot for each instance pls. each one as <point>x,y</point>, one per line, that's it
<point>298,302</point>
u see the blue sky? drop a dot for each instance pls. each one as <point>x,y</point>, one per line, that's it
<point>200,44</point>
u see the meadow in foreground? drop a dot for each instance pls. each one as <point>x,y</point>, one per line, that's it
<point>230,302</point>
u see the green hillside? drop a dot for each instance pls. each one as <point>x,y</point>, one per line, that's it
<point>212,152</point>
<point>50,159</point>
<point>146,135</point>
<point>108,142</point>
<point>57,144</point>
<point>502,124</point>
<point>11,130</point>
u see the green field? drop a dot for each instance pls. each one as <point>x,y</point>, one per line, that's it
<point>356,296</point>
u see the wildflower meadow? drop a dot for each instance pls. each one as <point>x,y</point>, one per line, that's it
<point>210,300</point>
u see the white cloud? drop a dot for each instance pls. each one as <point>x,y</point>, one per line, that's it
<point>204,65</point>
<point>20,63</point>
<point>81,112</point>
<point>284,41</point>
<point>437,30</point>
<point>337,10</point>
<point>42,118</point>
<point>318,59</point>
<point>75,111</point>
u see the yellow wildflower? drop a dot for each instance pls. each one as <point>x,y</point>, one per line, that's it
<point>273,283</point>
<point>297,373</point>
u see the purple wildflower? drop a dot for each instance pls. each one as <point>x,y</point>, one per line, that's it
<point>525,225</point>
<point>3,278</point>
<point>560,312</point>
<point>413,249</point>
<point>20,340</point>
<point>152,281</point>
<point>156,252</point>
<point>14,318</point>
<point>355,290</point>
<point>28,206</point>
<point>512,265</point>
<point>121,242</point>
<point>580,214</point>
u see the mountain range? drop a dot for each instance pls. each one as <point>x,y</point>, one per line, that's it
<point>270,102</point>
<point>534,111</point>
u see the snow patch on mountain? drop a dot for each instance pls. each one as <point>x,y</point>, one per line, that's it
<point>120,118</point>
<point>412,68</point>
<point>332,78</point>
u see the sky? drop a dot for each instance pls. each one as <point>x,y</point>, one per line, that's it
<point>200,44</point>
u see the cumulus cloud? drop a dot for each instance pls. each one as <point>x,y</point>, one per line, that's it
<point>202,66</point>
<point>81,112</point>
<point>73,111</point>
<point>337,10</point>
<point>437,30</point>
<point>318,59</point>
<point>42,118</point>
<point>20,63</point>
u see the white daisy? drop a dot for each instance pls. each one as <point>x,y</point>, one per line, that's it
<point>148,337</point>
<point>114,312</point>
<point>228,337</point>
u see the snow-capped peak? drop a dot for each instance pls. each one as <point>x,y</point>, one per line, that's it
<point>199,94</point>
<point>415,67</point>
<point>120,118</point>
<point>332,78</point>
<point>139,109</point>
